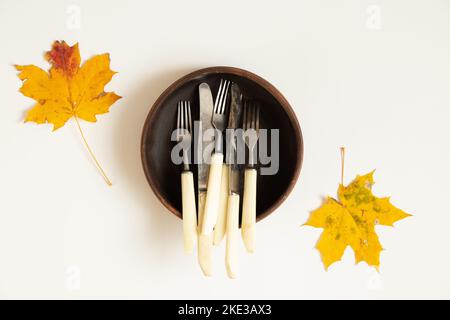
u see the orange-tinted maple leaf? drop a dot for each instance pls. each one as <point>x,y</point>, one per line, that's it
<point>67,89</point>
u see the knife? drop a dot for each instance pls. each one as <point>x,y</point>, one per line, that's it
<point>232,228</point>
<point>205,242</point>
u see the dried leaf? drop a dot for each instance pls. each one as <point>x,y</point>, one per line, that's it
<point>351,220</point>
<point>68,89</point>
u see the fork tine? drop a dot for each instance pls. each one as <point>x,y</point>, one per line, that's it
<point>189,117</point>
<point>216,103</point>
<point>254,116</point>
<point>250,115</point>
<point>179,116</point>
<point>257,118</point>
<point>183,116</point>
<point>244,120</point>
<point>186,119</point>
<point>222,96</point>
<point>225,96</point>
<point>223,84</point>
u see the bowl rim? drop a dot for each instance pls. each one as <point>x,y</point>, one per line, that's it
<point>238,72</point>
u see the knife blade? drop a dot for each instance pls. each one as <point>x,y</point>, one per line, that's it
<point>234,122</point>
<point>206,111</point>
<point>232,229</point>
<point>205,242</point>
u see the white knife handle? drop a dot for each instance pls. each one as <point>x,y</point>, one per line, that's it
<point>204,241</point>
<point>189,211</point>
<point>232,235</point>
<point>213,192</point>
<point>219,230</point>
<point>249,210</point>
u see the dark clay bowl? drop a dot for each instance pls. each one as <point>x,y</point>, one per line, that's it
<point>164,176</point>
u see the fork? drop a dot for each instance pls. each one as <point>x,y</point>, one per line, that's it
<point>183,135</point>
<point>251,135</point>
<point>219,122</point>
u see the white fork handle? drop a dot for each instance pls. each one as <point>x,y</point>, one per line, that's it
<point>219,230</point>
<point>249,210</point>
<point>231,262</point>
<point>205,242</point>
<point>189,211</point>
<point>212,195</point>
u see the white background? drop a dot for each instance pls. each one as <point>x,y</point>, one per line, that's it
<point>371,75</point>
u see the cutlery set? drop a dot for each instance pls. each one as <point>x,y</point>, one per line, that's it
<point>219,182</point>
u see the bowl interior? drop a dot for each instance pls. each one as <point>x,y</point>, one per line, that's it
<point>164,176</point>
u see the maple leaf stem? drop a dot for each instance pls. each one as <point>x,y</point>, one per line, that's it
<point>342,164</point>
<point>99,167</point>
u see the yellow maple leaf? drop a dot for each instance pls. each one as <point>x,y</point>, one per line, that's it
<point>68,89</point>
<point>351,220</point>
